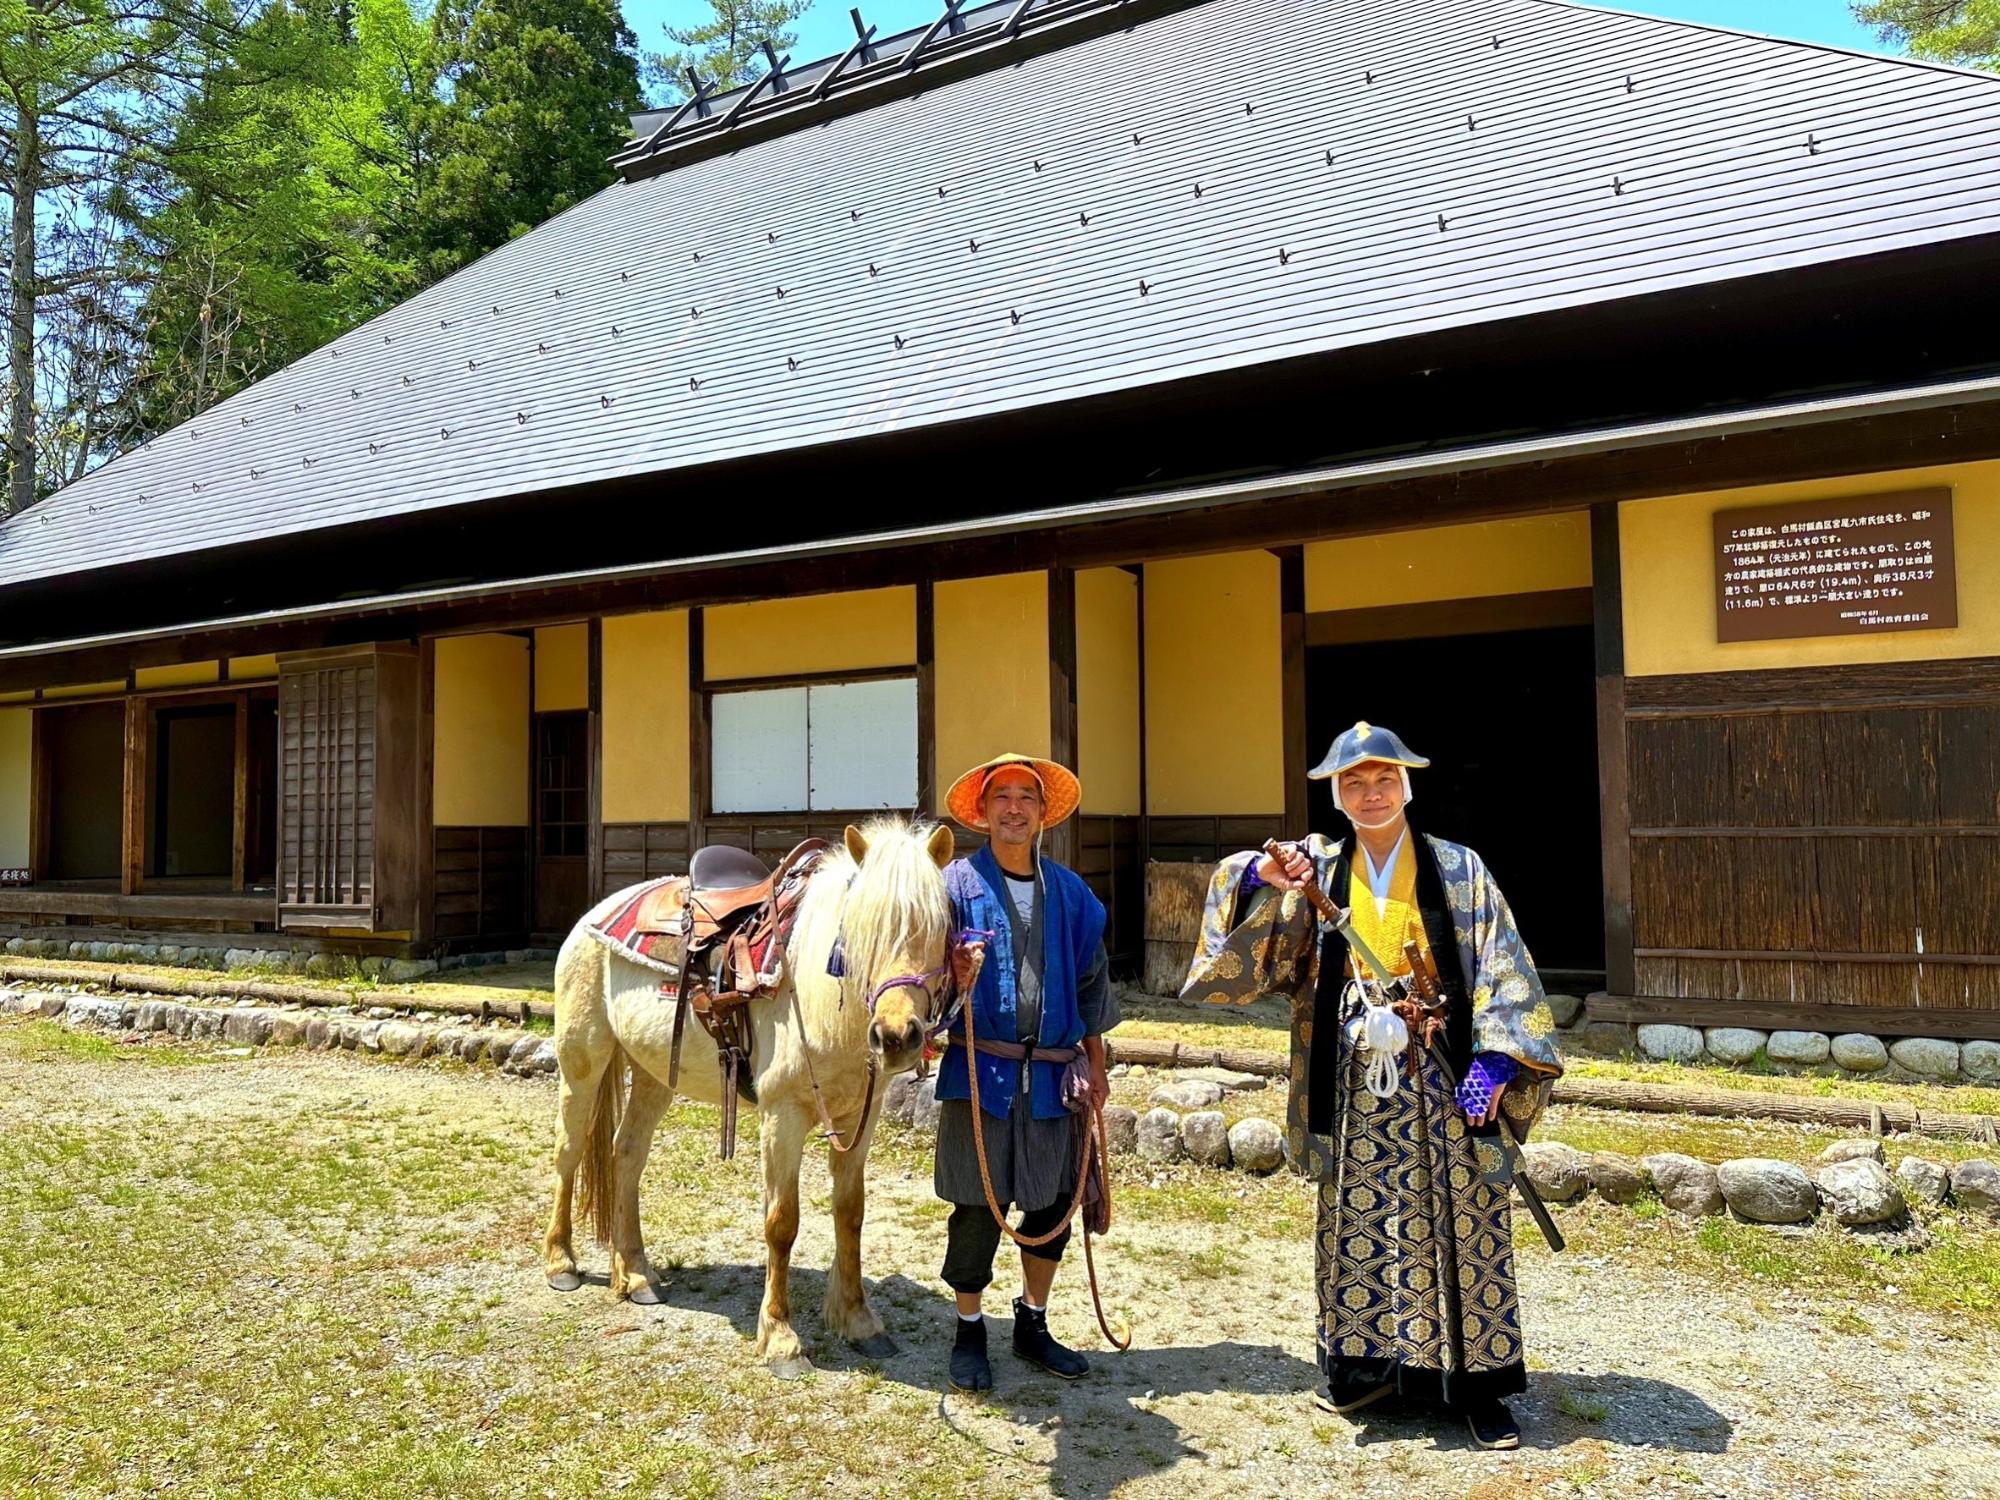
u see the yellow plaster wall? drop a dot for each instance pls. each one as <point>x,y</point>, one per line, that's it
<point>562,668</point>
<point>1107,689</point>
<point>248,668</point>
<point>16,785</point>
<point>992,670</point>
<point>1526,555</point>
<point>181,674</point>
<point>817,633</point>
<point>1214,686</point>
<point>1667,551</point>
<point>645,687</point>
<point>481,747</point>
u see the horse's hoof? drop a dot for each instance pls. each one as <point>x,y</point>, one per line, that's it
<point>564,1281</point>
<point>646,1295</point>
<point>792,1369</point>
<point>881,1346</point>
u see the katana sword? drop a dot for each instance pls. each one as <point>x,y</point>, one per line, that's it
<point>1339,919</point>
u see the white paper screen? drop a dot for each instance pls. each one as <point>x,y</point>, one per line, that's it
<point>863,739</point>
<point>759,751</point>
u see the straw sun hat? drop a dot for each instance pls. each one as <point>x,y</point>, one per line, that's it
<point>1060,790</point>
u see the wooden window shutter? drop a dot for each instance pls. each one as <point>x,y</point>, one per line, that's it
<point>347,797</point>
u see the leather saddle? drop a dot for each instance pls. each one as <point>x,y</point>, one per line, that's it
<point>721,931</point>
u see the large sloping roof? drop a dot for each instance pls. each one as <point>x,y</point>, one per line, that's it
<point>1234,183</point>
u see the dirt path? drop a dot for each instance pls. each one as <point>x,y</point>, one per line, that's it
<point>399,1205</point>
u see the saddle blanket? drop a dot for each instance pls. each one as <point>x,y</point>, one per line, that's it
<point>638,940</point>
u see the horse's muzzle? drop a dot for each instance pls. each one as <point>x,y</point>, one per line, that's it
<point>897,1044</point>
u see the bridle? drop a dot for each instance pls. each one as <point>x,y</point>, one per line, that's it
<point>925,982</point>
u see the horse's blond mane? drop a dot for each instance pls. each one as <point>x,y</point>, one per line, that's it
<point>895,908</point>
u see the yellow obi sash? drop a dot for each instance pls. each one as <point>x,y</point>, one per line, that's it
<point>1398,921</point>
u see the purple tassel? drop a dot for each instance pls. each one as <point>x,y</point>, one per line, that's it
<point>836,960</point>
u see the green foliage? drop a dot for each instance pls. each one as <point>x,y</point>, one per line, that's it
<point>1966,32</point>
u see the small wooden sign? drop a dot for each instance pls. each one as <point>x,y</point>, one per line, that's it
<point>1859,566</point>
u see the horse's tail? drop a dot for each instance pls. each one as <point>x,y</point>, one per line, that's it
<point>596,1186</point>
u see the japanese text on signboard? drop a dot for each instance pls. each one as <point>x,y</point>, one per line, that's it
<point>1835,567</point>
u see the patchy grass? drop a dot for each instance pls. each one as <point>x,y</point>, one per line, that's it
<point>49,1041</point>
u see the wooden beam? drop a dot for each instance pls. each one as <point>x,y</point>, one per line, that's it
<point>132,851</point>
<point>594,797</point>
<point>1439,617</point>
<point>424,793</point>
<point>1145,795</point>
<point>927,782</point>
<point>1062,842</point>
<point>239,833</point>
<point>1614,801</point>
<point>1292,659</point>
<point>698,746</point>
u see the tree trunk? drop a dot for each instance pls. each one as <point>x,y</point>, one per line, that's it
<point>21,313</point>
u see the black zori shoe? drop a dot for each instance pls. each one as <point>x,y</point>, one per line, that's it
<point>1351,1392</point>
<point>1034,1343</point>
<point>970,1370</point>
<point>1492,1425</point>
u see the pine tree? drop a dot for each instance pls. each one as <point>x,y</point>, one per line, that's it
<point>727,50</point>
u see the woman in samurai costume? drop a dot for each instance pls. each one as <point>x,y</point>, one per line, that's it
<point>1414,1247</point>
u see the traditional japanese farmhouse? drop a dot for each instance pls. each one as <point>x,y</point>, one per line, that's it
<point>1610,404</point>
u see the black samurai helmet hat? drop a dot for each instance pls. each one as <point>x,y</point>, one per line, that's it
<point>1365,742</point>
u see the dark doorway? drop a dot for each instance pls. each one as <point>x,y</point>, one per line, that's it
<point>562,819</point>
<point>194,793</point>
<point>1509,722</point>
<point>84,750</point>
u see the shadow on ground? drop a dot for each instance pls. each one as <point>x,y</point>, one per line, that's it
<point>1105,1429</point>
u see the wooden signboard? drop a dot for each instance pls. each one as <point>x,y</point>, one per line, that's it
<point>1858,566</point>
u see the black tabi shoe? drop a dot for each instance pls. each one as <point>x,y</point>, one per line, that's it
<point>1493,1426</point>
<point>1343,1396</point>
<point>1034,1343</point>
<point>970,1370</point>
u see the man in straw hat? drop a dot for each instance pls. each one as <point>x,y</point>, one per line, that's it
<point>1040,1003</point>
<point>1414,1243</point>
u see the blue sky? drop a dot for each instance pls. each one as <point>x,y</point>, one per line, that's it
<point>826,30</point>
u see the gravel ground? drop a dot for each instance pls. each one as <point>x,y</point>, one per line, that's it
<point>1644,1379</point>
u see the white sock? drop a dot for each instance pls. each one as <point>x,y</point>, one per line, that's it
<point>1031,1306</point>
<point>971,1317</point>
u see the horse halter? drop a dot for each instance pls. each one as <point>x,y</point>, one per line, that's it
<point>910,982</point>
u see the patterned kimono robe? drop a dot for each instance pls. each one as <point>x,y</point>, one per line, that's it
<point>1414,1240</point>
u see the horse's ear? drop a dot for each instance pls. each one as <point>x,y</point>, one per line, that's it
<point>942,846</point>
<point>857,846</point>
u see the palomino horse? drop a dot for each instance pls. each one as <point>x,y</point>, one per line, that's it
<point>882,898</point>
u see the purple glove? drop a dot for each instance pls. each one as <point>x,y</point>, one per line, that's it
<point>1490,1072</point>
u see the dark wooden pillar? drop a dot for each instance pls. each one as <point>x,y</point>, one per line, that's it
<point>1292,651</point>
<point>594,797</point>
<point>239,832</point>
<point>424,750</point>
<point>132,858</point>
<point>927,784</point>
<point>1062,842</point>
<point>1614,802</point>
<point>697,734</point>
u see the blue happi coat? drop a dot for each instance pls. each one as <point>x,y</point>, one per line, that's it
<point>1072,928</point>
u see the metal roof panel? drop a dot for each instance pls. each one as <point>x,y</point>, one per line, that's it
<point>1035,235</point>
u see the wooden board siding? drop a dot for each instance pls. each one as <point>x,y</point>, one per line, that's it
<point>1206,840</point>
<point>1818,840</point>
<point>480,879</point>
<point>347,803</point>
<point>1108,859</point>
<point>632,852</point>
